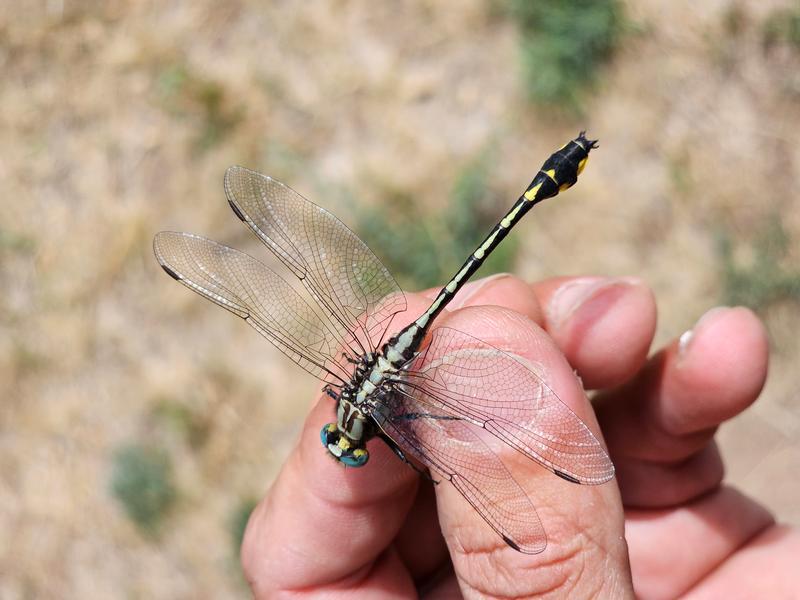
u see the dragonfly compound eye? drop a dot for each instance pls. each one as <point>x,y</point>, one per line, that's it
<point>329,435</point>
<point>355,458</point>
<point>342,448</point>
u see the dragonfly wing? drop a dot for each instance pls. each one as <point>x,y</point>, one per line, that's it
<point>451,448</point>
<point>339,270</point>
<point>250,290</point>
<point>465,377</point>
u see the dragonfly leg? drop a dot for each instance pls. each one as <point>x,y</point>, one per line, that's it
<point>350,359</point>
<point>402,456</point>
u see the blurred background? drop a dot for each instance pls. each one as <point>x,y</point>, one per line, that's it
<point>139,423</point>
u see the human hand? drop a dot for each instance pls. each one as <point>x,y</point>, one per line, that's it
<point>376,530</point>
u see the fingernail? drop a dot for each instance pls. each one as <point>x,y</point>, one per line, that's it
<point>685,341</point>
<point>473,287</point>
<point>571,296</point>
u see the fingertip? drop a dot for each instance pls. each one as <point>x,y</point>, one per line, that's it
<point>342,517</point>
<point>365,487</point>
<point>725,354</point>
<point>725,343</point>
<point>503,290</point>
<point>671,410</point>
<point>518,335</point>
<point>603,325</point>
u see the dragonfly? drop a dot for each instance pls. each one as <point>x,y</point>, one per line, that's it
<point>440,398</point>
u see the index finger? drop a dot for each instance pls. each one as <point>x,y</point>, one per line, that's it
<point>579,521</point>
<point>322,523</point>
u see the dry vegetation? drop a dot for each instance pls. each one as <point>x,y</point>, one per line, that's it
<point>118,119</point>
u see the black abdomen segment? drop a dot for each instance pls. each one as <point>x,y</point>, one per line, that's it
<point>558,173</point>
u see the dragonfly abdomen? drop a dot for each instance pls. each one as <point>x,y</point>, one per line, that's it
<point>559,172</point>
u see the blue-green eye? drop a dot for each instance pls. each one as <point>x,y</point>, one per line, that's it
<point>341,448</point>
<point>326,436</point>
<point>357,458</point>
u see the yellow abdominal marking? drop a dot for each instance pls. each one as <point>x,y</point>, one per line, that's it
<point>513,213</point>
<point>582,164</point>
<point>531,193</point>
<point>551,173</point>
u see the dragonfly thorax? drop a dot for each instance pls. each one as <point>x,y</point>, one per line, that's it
<point>346,439</point>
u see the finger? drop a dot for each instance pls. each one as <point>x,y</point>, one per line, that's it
<point>774,551</point>
<point>419,542</point>
<point>322,524</point>
<point>579,520</point>
<point>422,528</point>
<point>672,550</point>
<point>658,484</point>
<point>604,326</point>
<point>656,425</point>
<point>501,289</point>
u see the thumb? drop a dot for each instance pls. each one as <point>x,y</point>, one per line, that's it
<point>537,409</point>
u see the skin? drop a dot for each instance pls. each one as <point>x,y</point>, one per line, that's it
<point>665,527</point>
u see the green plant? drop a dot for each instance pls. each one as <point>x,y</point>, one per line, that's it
<point>782,27</point>
<point>725,45</point>
<point>187,94</point>
<point>764,280</point>
<point>11,243</point>
<point>25,361</point>
<point>563,44</point>
<point>401,234</point>
<point>471,217</point>
<point>423,250</point>
<point>180,418</point>
<point>238,522</point>
<point>141,480</point>
<point>679,171</point>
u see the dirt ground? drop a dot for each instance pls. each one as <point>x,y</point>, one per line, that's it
<point>118,119</point>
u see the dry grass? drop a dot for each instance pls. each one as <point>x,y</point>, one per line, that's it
<point>118,119</point>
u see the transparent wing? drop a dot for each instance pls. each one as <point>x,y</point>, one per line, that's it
<point>339,270</point>
<point>250,290</point>
<point>464,377</point>
<point>452,448</point>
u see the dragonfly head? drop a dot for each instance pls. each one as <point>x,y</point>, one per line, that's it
<point>343,448</point>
